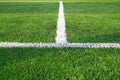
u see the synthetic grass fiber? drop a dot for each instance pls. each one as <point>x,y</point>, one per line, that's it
<point>93,21</point>
<point>93,28</point>
<point>91,0</point>
<point>59,64</point>
<point>29,7</point>
<point>68,0</point>
<point>27,27</point>
<point>92,7</point>
<point>28,22</point>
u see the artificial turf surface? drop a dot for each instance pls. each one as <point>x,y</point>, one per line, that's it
<point>29,0</point>
<point>91,0</point>
<point>29,7</point>
<point>59,64</point>
<point>92,7</point>
<point>69,0</point>
<point>93,21</point>
<point>28,22</point>
<point>93,28</point>
<point>32,22</point>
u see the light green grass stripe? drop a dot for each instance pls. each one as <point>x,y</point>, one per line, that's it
<point>35,7</point>
<point>30,1</point>
<point>91,0</point>
<point>92,7</point>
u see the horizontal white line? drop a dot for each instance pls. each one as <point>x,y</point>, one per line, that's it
<point>56,45</point>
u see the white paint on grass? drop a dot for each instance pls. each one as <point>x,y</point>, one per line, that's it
<point>61,39</point>
<point>65,45</point>
<point>61,31</point>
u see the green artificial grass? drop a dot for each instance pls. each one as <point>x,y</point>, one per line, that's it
<point>31,0</point>
<point>28,22</point>
<point>91,0</point>
<point>26,7</point>
<point>92,7</point>
<point>69,0</point>
<point>93,21</point>
<point>59,64</point>
<point>93,27</point>
<point>34,27</point>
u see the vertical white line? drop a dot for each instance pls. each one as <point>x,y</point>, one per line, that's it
<point>61,30</point>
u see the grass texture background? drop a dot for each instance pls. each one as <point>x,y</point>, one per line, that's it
<point>59,64</point>
<point>28,22</point>
<point>93,21</point>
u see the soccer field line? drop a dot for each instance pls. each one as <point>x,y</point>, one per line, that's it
<point>61,38</point>
<point>61,29</point>
<point>60,45</point>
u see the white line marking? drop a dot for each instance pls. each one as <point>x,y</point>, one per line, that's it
<point>61,31</point>
<point>55,45</point>
<point>61,39</point>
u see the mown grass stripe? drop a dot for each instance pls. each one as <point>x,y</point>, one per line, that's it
<point>29,1</point>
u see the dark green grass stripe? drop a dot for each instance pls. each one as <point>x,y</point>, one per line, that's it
<point>26,7</point>
<point>92,7</point>
<point>59,64</point>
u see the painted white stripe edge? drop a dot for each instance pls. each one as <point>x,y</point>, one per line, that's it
<point>56,45</point>
<point>61,30</point>
<point>61,39</point>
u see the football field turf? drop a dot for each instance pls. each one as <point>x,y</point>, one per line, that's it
<point>59,64</point>
<point>28,22</point>
<point>86,21</point>
<point>65,0</point>
<point>93,21</point>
